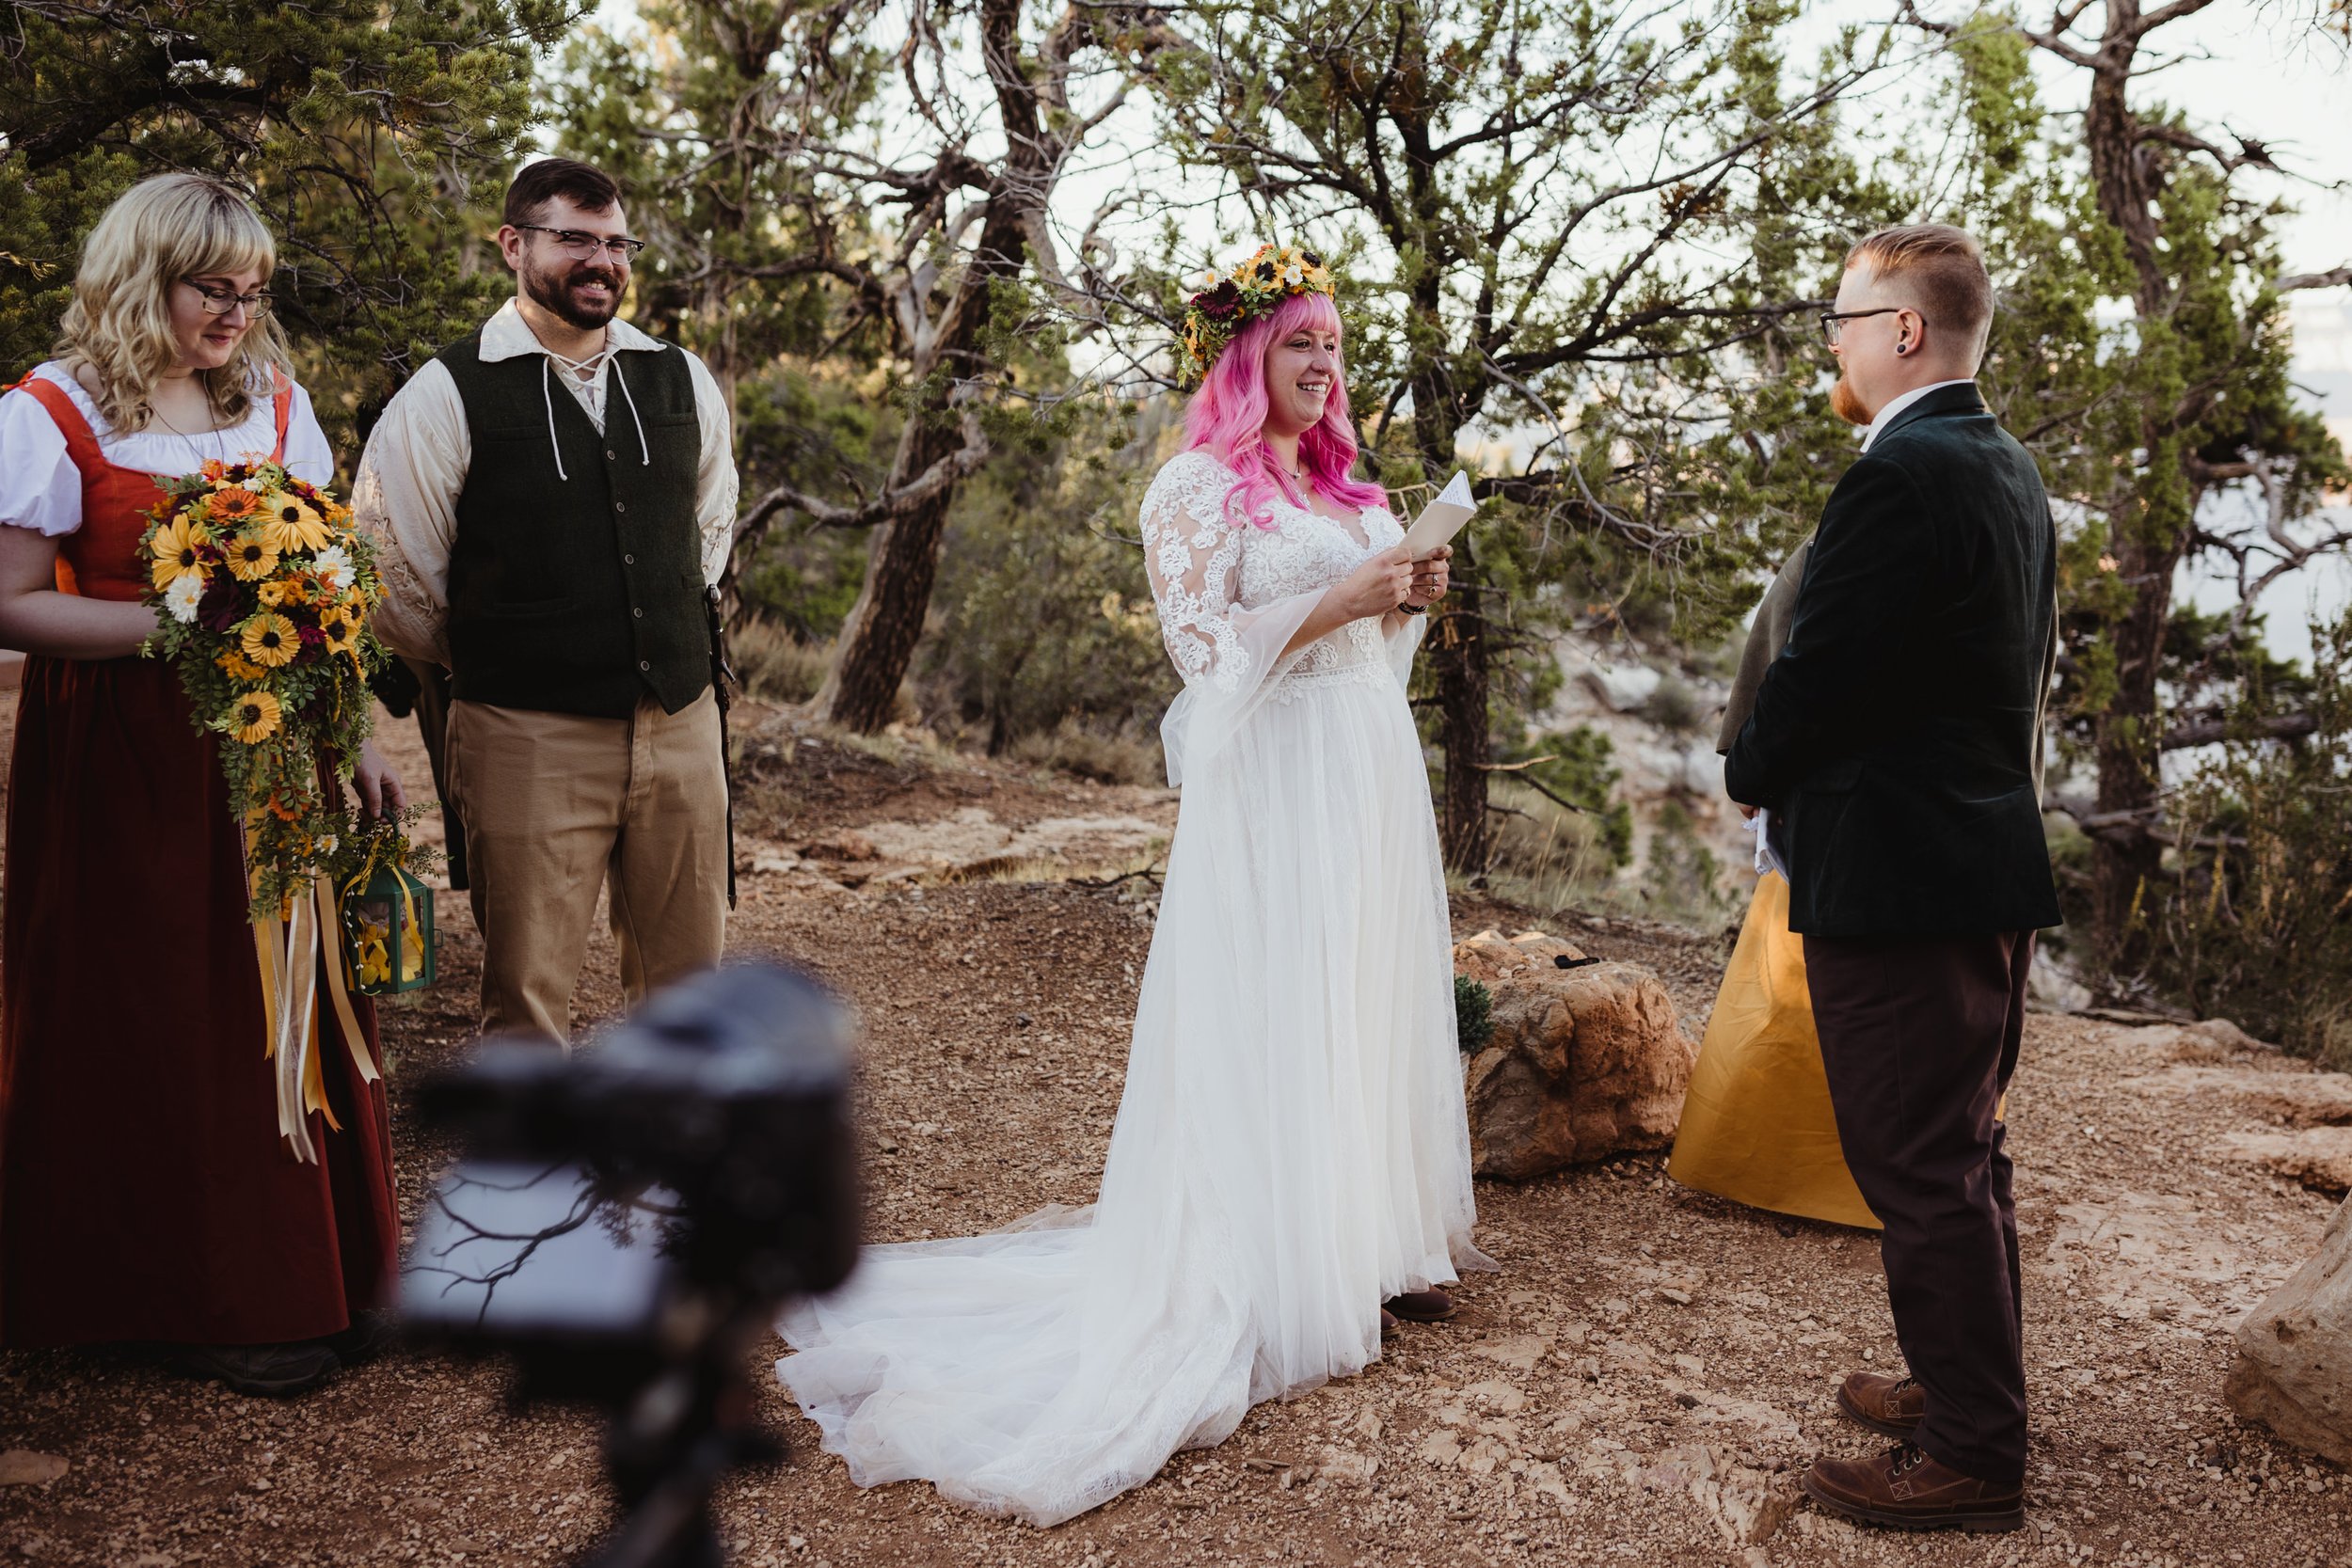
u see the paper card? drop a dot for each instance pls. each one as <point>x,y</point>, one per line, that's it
<point>1442,519</point>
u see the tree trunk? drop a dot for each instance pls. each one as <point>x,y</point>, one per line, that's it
<point>877,643</point>
<point>1457,653</point>
<point>2126,739</point>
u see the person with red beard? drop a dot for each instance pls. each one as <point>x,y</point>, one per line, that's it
<point>553,497</point>
<point>1894,740</point>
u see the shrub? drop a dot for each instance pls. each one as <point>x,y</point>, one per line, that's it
<point>2256,925</point>
<point>1474,1014</point>
<point>774,665</point>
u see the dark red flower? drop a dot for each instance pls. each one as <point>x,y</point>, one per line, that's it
<point>1222,303</point>
<point>221,607</point>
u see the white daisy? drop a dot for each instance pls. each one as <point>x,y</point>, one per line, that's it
<point>334,567</point>
<point>181,596</point>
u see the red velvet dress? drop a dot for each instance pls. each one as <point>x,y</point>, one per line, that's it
<point>145,1193</point>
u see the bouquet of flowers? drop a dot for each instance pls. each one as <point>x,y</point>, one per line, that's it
<point>265,588</point>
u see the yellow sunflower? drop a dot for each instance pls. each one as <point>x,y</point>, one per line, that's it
<point>270,640</point>
<point>175,548</point>
<point>339,629</point>
<point>289,523</point>
<point>253,718</point>
<point>252,558</point>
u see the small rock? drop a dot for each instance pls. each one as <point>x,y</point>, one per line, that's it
<point>23,1467</point>
<point>1346,1466</point>
<point>1520,1351</point>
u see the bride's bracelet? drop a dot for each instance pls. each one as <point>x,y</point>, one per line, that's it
<point>1412,608</point>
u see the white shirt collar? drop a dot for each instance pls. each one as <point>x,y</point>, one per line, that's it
<point>1886,415</point>
<point>507,336</point>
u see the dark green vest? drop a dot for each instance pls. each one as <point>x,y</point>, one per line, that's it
<point>577,589</point>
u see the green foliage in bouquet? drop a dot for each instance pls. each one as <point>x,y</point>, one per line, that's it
<point>265,588</point>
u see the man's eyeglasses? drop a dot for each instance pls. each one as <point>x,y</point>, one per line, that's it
<point>218,301</point>
<point>1833,322</point>
<point>582,248</point>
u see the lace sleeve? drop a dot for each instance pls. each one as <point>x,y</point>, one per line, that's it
<point>1229,654</point>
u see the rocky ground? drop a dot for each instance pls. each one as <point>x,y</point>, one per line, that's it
<point>1639,1383</point>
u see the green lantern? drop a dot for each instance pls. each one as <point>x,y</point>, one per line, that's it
<point>388,937</point>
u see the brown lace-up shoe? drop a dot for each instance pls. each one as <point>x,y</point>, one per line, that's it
<point>1904,1489</point>
<point>1893,1405</point>
<point>1422,1306</point>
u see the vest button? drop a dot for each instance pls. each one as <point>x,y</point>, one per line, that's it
<point>639,613</point>
<point>620,506</point>
<point>628,560</point>
<point>612,457</point>
<point>641,664</point>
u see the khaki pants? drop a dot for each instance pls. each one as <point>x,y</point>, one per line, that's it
<point>553,803</point>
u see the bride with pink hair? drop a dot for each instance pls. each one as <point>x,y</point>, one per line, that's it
<point>1290,1171</point>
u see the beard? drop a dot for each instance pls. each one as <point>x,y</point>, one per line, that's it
<point>1846,403</point>
<point>554,287</point>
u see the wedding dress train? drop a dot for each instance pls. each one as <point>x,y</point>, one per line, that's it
<point>1290,1147</point>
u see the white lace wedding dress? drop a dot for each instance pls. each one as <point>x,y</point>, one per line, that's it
<point>1290,1148</point>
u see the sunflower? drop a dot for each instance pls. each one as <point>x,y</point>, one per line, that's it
<point>253,718</point>
<point>234,503</point>
<point>339,629</point>
<point>175,548</point>
<point>270,640</point>
<point>289,523</point>
<point>251,557</point>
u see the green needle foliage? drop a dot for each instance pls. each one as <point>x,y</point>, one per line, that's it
<point>359,130</point>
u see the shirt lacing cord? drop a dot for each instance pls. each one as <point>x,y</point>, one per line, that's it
<point>585,369</point>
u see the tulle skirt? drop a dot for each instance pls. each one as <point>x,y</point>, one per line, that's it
<point>1291,1149</point>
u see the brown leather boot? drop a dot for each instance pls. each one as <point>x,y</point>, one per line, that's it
<point>1893,1405</point>
<point>1422,1306</point>
<point>1904,1489</point>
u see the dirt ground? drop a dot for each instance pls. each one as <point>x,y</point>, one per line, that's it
<point>1640,1382</point>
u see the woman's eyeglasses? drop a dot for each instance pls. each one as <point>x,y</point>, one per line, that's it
<point>218,301</point>
<point>1833,322</point>
<point>582,248</point>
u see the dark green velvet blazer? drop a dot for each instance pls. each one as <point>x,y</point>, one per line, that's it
<point>1895,735</point>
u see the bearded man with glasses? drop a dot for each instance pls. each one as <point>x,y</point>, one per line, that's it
<point>553,496</point>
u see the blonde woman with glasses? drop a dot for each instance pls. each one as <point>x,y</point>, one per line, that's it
<point>145,1194</point>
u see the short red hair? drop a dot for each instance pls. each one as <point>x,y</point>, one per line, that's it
<point>1941,268</point>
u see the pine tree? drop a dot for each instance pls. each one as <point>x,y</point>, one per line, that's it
<point>1597,233</point>
<point>2144,428</point>
<point>357,129</point>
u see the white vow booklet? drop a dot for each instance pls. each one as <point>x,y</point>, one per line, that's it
<point>1442,519</point>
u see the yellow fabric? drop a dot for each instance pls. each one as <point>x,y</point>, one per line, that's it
<point>1756,1125</point>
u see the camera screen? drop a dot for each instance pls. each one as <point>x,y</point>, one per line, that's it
<point>522,1252</point>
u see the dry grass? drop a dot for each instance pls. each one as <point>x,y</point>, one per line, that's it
<point>1071,746</point>
<point>774,665</point>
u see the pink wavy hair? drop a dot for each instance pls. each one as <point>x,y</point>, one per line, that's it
<point>1228,416</point>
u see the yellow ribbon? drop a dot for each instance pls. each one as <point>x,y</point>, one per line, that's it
<point>288,953</point>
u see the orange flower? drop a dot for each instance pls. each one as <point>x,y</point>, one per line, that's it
<point>235,501</point>
<point>214,469</point>
<point>240,666</point>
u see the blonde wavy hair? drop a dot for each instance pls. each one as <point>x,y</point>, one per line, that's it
<point>118,326</point>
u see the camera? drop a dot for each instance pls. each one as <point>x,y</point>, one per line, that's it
<point>625,1224</point>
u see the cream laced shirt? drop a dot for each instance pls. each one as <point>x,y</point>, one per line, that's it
<point>418,455</point>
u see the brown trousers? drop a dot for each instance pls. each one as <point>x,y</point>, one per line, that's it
<point>554,805</point>
<point>1919,1037</point>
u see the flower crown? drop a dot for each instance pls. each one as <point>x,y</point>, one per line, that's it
<point>1254,288</point>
